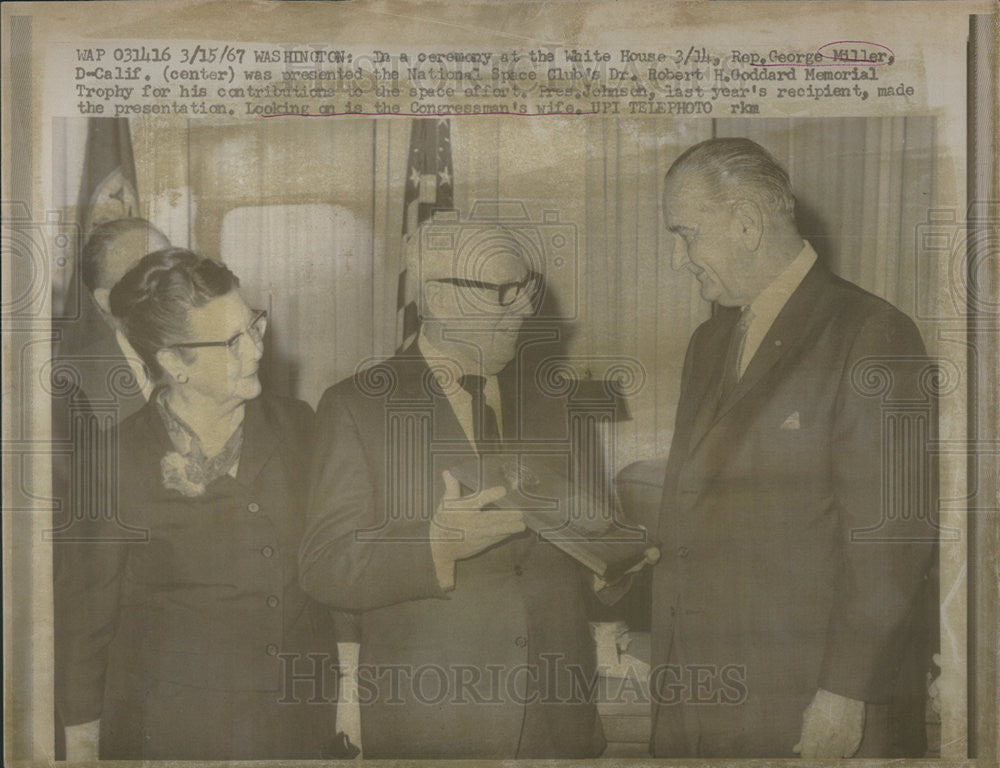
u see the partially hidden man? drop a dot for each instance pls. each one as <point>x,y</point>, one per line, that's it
<point>474,638</point>
<point>779,593</point>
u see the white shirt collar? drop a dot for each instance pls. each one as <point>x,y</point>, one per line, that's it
<point>444,367</point>
<point>772,299</point>
<point>769,303</point>
<point>447,371</point>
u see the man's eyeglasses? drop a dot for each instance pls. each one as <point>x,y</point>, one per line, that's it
<point>506,293</point>
<point>256,331</point>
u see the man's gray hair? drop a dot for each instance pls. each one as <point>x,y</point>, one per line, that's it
<point>735,168</point>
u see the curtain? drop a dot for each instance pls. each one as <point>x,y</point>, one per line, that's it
<point>638,305</point>
<point>308,212</point>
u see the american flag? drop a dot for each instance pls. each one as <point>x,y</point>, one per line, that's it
<point>108,189</point>
<point>429,188</point>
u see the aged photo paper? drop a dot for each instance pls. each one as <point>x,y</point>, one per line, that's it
<point>612,382</point>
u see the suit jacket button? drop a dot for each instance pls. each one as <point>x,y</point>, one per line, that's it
<point>521,641</point>
<point>272,601</point>
<point>267,550</point>
<point>272,649</point>
<point>683,551</point>
<point>254,507</point>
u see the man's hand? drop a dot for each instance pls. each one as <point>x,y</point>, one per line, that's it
<point>832,726</point>
<point>461,527</point>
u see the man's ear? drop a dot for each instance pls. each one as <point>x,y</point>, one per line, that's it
<point>103,298</point>
<point>748,219</point>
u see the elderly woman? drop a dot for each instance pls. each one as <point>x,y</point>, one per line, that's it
<point>184,634</point>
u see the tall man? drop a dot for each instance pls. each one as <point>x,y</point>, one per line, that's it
<point>781,604</point>
<point>110,376</point>
<point>474,639</point>
<point>94,346</point>
<point>110,382</point>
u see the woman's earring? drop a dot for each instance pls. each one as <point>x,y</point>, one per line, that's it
<point>182,378</point>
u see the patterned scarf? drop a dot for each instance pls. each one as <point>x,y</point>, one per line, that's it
<point>187,469</point>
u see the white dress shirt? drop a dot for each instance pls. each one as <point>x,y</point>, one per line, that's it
<point>447,371</point>
<point>769,303</point>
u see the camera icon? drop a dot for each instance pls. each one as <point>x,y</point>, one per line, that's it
<point>957,263</point>
<point>462,250</point>
<point>38,254</point>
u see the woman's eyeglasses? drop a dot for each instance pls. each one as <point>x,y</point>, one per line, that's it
<point>506,293</point>
<point>256,331</point>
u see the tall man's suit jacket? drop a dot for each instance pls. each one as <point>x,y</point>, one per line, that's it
<point>444,674</point>
<point>779,574</point>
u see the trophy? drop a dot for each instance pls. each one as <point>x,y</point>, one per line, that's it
<point>586,524</point>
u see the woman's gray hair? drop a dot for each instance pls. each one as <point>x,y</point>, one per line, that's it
<point>152,300</point>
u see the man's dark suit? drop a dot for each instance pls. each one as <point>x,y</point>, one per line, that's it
<point>366,550</point>
<point>92,388</point>
<point>89,354</point>
<point>761,580</point>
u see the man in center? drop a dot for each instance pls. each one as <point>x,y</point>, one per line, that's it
<point>474,637</point>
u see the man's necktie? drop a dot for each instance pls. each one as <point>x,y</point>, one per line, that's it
<point>484,418</point>
<point>731,370</point>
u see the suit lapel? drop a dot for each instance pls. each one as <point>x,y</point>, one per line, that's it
<point>793,325</point>
<point>785,336</point>
<point>417,386</point>
<point>707,381</point>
